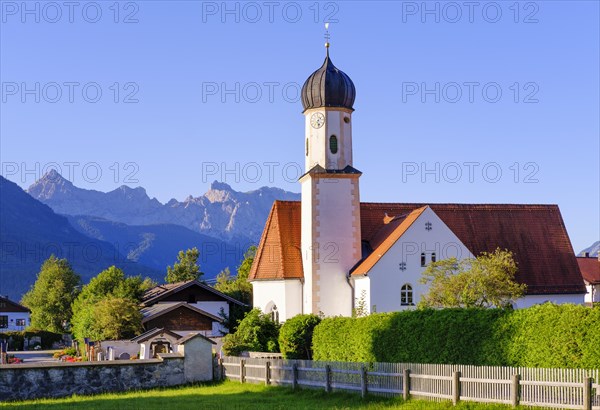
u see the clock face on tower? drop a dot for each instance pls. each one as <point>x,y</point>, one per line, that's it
<point>317,120</point>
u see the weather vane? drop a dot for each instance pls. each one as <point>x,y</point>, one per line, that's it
<point>327,36</point>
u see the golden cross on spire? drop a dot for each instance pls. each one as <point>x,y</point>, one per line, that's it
<point>327,36</point>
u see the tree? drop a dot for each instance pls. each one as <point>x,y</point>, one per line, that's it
<point>186,268</point>
<point>105,307</point>
<point>50,297</point>
<point>485,281</point>
<point>116,318</point>
<point>295,336</point>
<point>238,288</point>
<point>257,332</point>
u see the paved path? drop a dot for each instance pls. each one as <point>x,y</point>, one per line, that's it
<point>35,356</point>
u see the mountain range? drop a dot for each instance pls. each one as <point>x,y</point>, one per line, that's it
<point>221,212</point>
<point>31,231</point>
<point>124,227</point>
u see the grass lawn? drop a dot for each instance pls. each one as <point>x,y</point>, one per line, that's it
<point>232,395</point>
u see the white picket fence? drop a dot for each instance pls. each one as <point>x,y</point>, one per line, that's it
<point>554,388</point>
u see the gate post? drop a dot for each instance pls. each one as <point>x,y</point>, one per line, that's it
<point>456,388</point>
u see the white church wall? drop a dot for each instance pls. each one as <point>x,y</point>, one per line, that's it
<point>286,295</point>
<point>362,286</point>
<point>530,300</point>
<point>386,278</point>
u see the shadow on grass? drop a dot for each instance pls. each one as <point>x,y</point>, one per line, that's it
<point>232,395</point>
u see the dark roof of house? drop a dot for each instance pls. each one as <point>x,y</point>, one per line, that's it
<point>191,336</point>
<point>159,292</point>
<point>536,235</point>
<point>590,269</point>
<point>11,306</point>
<point>159,309</point>
<point>152,333</point>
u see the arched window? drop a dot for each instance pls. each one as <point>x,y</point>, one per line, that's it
<point>406,295</point>
<point>274,314</point>
<point>433,258</point>
<point>423,261</point>
<point>333,144</point>
<point>307,147</point>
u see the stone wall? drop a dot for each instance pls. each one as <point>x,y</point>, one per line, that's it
<point>30,381</point>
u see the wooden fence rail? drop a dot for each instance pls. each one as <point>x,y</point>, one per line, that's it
<point>554,388</point>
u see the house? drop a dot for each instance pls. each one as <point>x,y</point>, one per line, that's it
<point>13,316</point>
<point>329,252</point>
<point>590,270</point>
<point>186,307</point>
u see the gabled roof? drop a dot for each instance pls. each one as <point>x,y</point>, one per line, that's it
<point>279,255</point>
<point>157,293</point>
<point>152,333</point>
<point>7,305</point>
<point>159,309</point>
<point>534,233</point>
<point>191,336</point>
<point>590,269</point>
<point>386,237</point>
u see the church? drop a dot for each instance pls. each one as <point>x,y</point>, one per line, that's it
<point>330,251</point>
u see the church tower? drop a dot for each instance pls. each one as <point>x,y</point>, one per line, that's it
<point>330,234</point>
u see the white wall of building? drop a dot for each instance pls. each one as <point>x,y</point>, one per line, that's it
<point>286,295</point>
<point>14,318</point>
<point>531,300</point>
<point>386,279</point>
<point>593,293</point>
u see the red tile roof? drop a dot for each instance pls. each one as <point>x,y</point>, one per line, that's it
<point>387,236</point>
<point>534,233</point>
<point>590,269</point>
<point>279,255</point>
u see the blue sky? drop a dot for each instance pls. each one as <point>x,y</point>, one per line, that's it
<point>196,91</point>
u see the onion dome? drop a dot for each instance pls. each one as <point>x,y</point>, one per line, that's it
<point>328,87</point>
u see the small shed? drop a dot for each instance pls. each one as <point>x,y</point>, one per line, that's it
<point>197,350</point>
<point>156,341</point>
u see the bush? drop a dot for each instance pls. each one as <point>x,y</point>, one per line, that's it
<point>295,336</point>
<point>541,336</point>
<point>256,332</point>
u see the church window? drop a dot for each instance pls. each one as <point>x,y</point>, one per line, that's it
<point>333,144</point>
<point>274,314</point>
<point>433,258</point>
<point>423,261</point>
<point>406,295</point>
<point>307,147</point>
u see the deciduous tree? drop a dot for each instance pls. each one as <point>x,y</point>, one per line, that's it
<point>485,281</point>
<point>50,297</point>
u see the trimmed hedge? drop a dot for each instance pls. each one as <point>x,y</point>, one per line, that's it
<point>295,336</point>
<point>541,336</point>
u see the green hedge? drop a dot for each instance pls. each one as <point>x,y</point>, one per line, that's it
<point>541,336</point>
<point>295,336</point>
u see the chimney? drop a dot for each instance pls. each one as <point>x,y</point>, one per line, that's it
<point>587,254</point>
